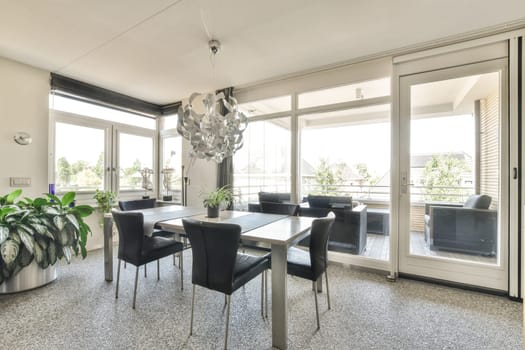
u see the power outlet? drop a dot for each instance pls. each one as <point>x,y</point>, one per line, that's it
<point>20,181</point>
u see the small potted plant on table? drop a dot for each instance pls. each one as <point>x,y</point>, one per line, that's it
<point>215,199</point>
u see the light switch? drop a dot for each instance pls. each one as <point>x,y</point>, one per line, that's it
<point>20,181</point>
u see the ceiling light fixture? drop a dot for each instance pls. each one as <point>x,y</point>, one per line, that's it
<point>212,134</point>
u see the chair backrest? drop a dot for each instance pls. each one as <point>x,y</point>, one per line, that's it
<point>214,248</point>
<point>131,235</point>
<point>279,208</point>
<point>275,197</point>
<point>137,204</point>
<point>319,235</point>
<point>329,201</point>
<point>478,201</point>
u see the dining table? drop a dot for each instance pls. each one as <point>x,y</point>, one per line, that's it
<point>278,231</point>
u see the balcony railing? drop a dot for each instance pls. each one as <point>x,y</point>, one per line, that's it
<point>246,189</point>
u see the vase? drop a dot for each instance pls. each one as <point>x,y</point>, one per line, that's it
<point>213,212</point>
<point>30,277</point>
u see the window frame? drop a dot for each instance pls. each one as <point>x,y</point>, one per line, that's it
<point>295,88</point>
<point>273,116</point>
<point>164,134</point>
<point>111,149</point>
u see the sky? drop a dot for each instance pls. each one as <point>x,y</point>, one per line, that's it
<point>370,143</point>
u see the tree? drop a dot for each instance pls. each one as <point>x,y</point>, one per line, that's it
<point>329,177</point>
<point>64,171</point>
<point>79,166</point>
<point>132,175</point>
<point>442,177</point>
<point>98,169</point>
<point>362,169</point>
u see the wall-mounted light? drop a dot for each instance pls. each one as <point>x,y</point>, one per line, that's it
<point>23,138</point>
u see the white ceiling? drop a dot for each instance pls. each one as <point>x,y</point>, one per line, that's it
<point>133,47</point>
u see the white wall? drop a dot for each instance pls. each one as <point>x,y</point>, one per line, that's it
<point>202,176</point>
<point>23,107</point>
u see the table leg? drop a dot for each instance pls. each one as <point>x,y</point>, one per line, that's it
<point>320,284</point>
<point>108,248</point>
<point>279,297</point>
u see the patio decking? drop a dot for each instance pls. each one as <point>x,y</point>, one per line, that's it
<point>378,247</point>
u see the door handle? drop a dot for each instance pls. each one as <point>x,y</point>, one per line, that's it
<point>404,182</point>
<point>515,171</point>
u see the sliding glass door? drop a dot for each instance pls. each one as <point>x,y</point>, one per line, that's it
<point>453,174</point>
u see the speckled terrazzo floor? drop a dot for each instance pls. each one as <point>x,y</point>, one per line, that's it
<point>79,311</point>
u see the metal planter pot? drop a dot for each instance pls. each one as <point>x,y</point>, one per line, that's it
<point>213,212</point>
<point>30,277</point>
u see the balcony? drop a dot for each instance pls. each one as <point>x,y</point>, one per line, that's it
<point>374,197</point>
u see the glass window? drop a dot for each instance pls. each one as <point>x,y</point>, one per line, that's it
<point>442,171</point>
<point>455,153</point>
<point>77,167</point>
<point>263,163</point>
<point>353,92</point>
<point>171,168</point>
<point>267,106</point>
<point>329,167</point>
<point>91,110</point>
<point>136,162</point>
<point>345,162</point>
<point>169,122</point>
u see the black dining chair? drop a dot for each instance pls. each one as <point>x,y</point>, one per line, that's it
<point>148,203</point>
<point>279,208</point>
<point>137,249</point>
<point>137,204</point>
<point>144,204</point>
<point>218,266</point>
<point>311,265</point>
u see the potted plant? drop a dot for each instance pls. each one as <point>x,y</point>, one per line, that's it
<point>214,200</point>
<point>42,230</point>
<point>105,200</point>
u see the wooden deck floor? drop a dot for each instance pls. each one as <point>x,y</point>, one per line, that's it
<point>378,247</point>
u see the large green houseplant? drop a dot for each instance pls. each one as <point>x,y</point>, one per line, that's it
<point>213,200</point>
<point>40,229</point>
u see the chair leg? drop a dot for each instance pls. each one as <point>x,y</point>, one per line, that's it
<point>228,300</point>
<point>327,289</point>
<point>316,306</point>
<point>124,264</point>
<point>181,267</point>
<point>192,303</point>
<point>135,289</point>
<point>118,278</point>
<point>174,258</point>
<point>266,291</point>
<point>262,295</point>
<point>145,270</point>
<point>158,269</point>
